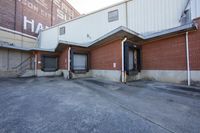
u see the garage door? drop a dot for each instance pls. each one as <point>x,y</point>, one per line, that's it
<point>131,59</point>
<point>80,62</point>
<point>50,63</point>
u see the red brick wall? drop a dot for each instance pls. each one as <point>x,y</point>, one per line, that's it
<point>63,59</point>
<point>103,57</point>
<point>170,53</point>
<point>7,13</point>
<point>194,45</point>
<point>41,11</point>
<point>166,54</point>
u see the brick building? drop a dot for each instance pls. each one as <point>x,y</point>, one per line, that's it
<point>20,23</point>
<point>131,40</point>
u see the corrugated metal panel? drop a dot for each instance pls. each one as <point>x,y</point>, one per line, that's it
<point>195,5</point>
<point>14,58</point>
<point>84,30</point>
<point>3,59</point>
<point>91,27</point>
<point>147,16</point>
<point>49,38</point>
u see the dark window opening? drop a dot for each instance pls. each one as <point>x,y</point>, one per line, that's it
<point>113,16</point>
<point>62,30</point>
<point>49,63</point>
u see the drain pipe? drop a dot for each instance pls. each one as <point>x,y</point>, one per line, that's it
<point>188,59</point>
<point>123,72</point>
<point>35,64</point>
<point>69,61</point>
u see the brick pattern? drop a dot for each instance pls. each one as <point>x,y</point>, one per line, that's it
<point>194,46</point>
<point>170,53</point>
<point>63,59</point>
<point>166,54</point>
<point>102,58</point>
<point>7,14</point>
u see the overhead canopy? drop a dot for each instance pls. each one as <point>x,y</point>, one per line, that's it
<point>122,32</point>
<point>8,45</point>
<point>119,32</point>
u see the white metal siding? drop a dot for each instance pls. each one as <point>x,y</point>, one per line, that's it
<point>147,16</point>
<point>91,27</point>
<point>144,16</point>
<point>49,38</point>
<point>195,5</point>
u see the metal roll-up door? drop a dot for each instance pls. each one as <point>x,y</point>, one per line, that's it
<point>49,63</point>
<point>131,59</point>
<point>80,62</point>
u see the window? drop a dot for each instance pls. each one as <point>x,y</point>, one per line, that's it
<point>80,62</point>
<point>113,16</point>
<point>49,63</point>
<point>62,30</point>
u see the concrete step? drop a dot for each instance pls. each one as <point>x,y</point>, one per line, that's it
<point>27,73</point>
<point>133,77</point>
<point>81,75</point>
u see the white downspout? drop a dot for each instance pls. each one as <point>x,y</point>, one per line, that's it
<point>69,61</point>
<point>188,60</point>
<point>123,73</point>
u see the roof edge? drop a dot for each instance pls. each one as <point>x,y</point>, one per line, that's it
<point>85,15</point>
<point>183,28</point>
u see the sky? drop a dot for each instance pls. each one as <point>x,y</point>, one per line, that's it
<point>87,6</point>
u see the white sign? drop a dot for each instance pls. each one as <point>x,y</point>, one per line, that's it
<point>31,23</point>
<point>63,11</point>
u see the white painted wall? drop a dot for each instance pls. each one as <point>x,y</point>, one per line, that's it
<point>195,8</point>
<point>147,16</point>
<point>91,27</point>
<point>144,16</point>
<point>85,29</point>
<point>49,38</point>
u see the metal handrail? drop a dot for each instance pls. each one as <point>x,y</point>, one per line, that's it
<point>23,66</point>
<point>22,70</point>
<point>23,62</point>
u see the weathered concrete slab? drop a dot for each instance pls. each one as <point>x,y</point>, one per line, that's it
<point>91,105</point>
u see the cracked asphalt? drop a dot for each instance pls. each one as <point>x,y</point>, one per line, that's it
<point>89,105</point>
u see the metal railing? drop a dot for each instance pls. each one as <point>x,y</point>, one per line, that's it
<point>27,64</point>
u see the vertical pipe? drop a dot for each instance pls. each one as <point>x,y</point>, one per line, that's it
<point>188,60</point>
<point>123,73</point>
<point>69,61</point>
<point>35,63</point>
<point>15,17</point>
<point>52,12</point>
